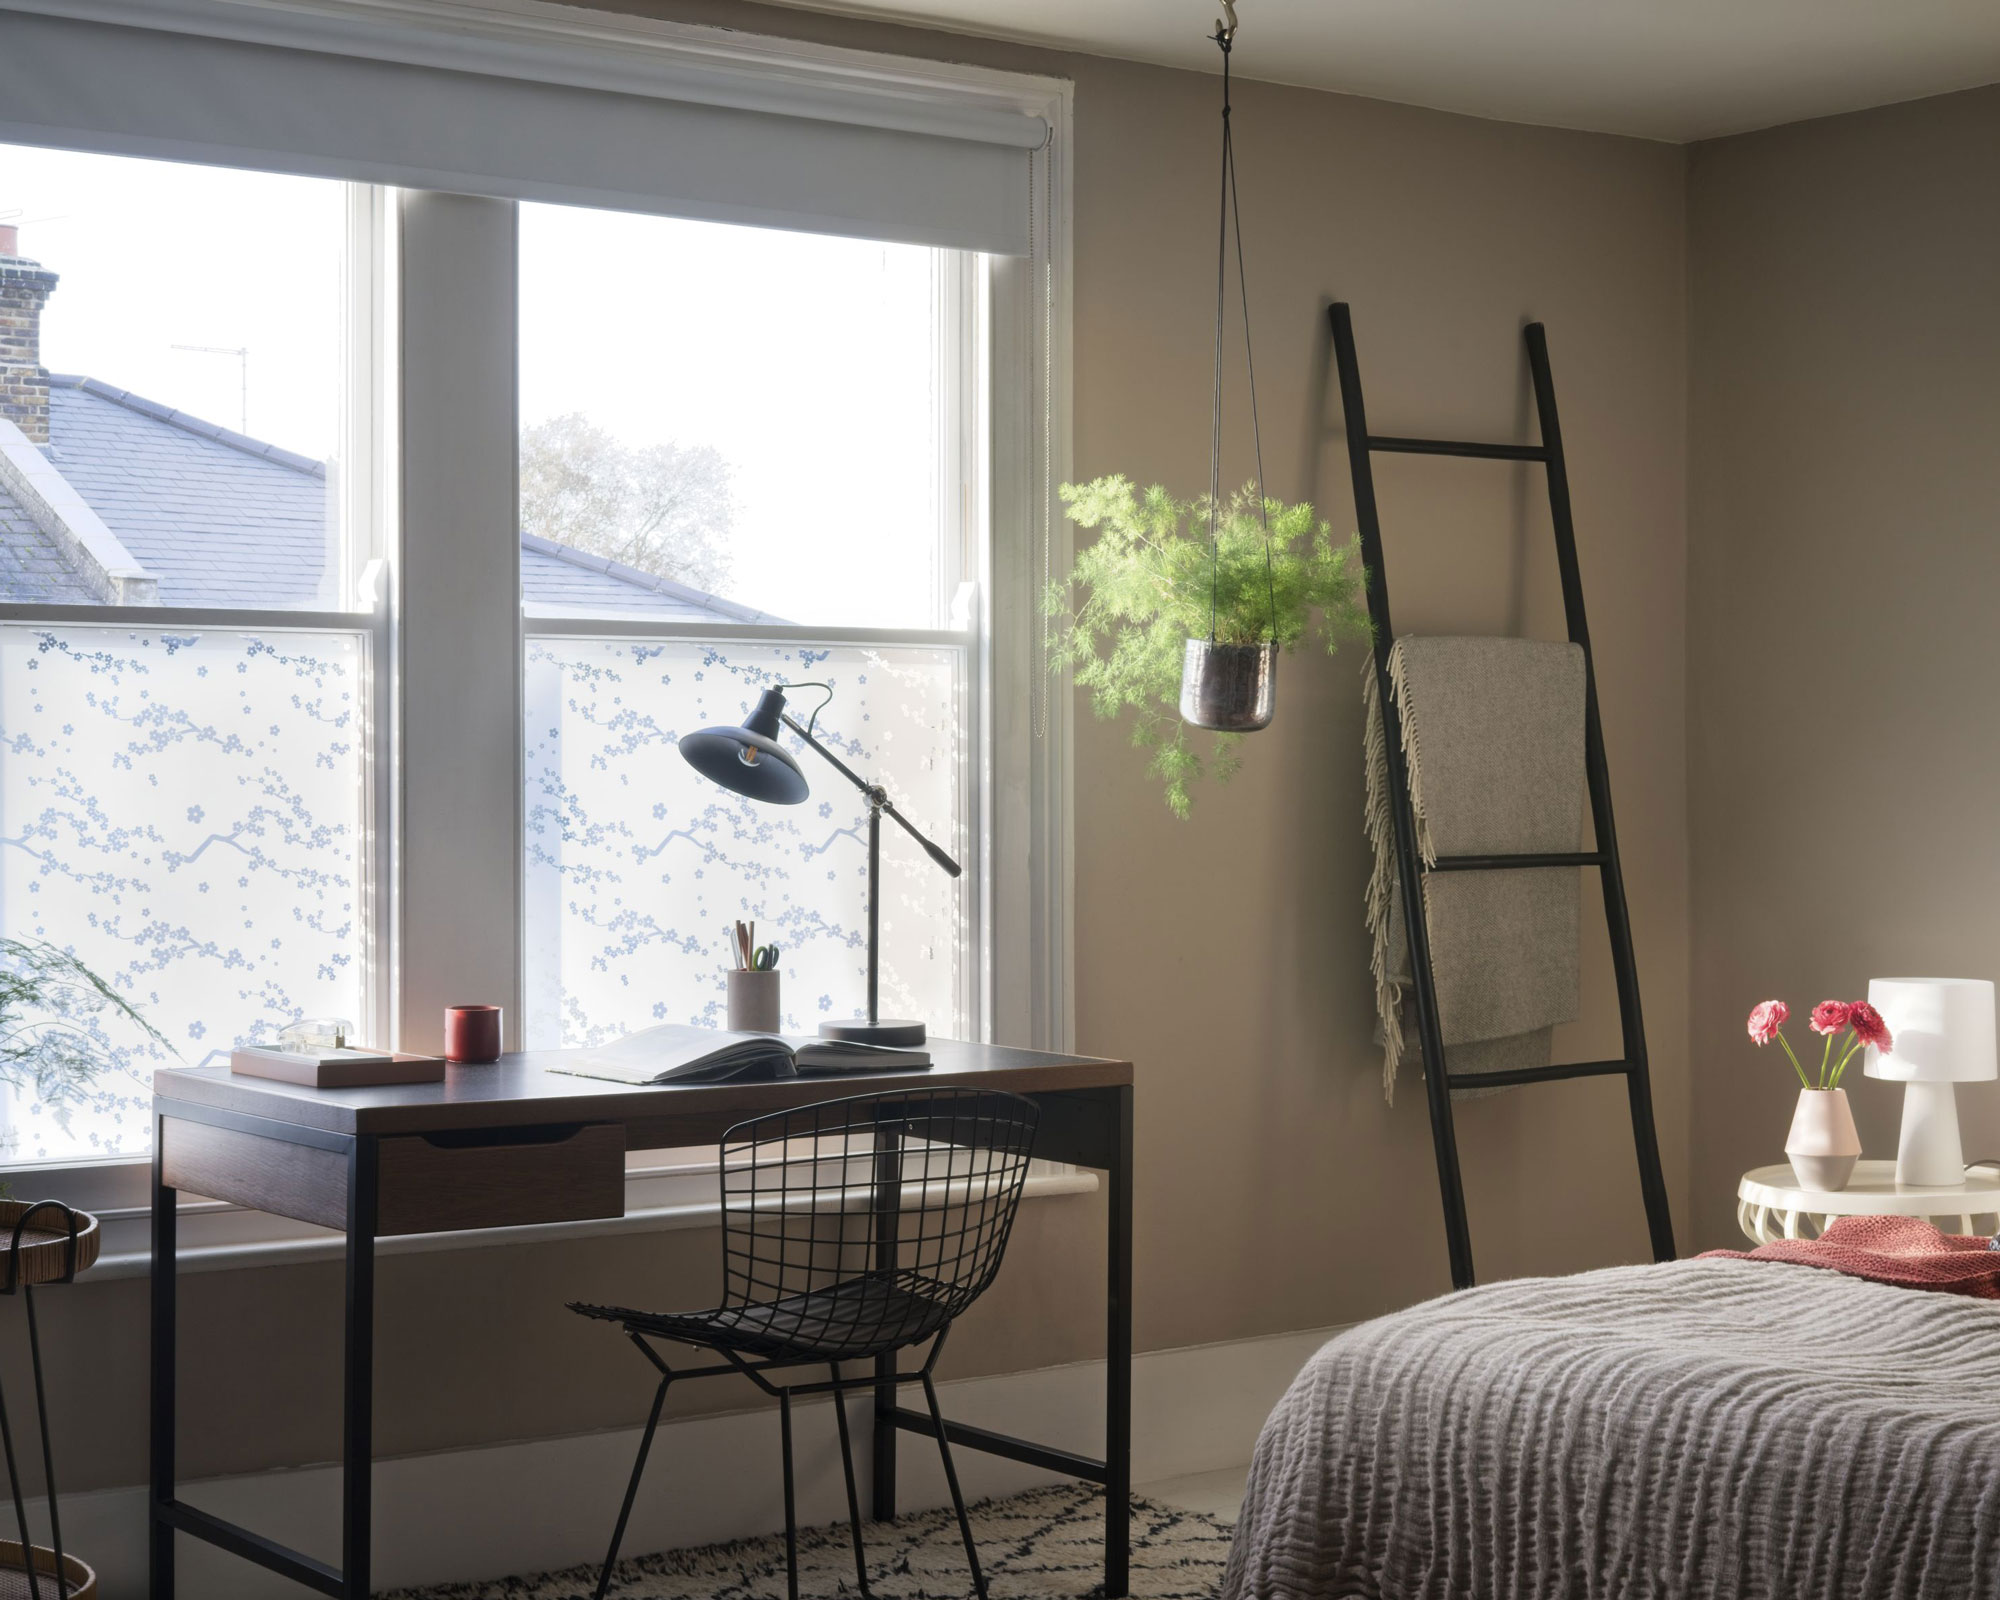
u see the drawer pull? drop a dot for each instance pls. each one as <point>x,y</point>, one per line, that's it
<point>502,1138</point>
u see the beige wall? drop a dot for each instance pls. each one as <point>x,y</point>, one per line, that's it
<point>1843,565</point>
<point>1275,1190</point>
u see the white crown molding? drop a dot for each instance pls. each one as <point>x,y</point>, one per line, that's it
<point>579,48</point>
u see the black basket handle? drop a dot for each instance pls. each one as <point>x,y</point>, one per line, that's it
<point>14,1245</point>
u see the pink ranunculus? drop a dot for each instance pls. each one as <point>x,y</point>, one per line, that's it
<point>1830,1016</point>
<point>1867,1023</point>
<point>1766,1019</point>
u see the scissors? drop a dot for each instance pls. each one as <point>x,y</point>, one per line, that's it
<point>765,958</point>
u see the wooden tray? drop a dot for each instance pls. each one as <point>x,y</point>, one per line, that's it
<point>44,1258</point>
<point>79,1582</point>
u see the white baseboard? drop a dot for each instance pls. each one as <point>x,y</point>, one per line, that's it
<point>466,1515</point>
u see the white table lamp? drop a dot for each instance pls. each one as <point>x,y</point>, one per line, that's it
<point>1941,1034</point>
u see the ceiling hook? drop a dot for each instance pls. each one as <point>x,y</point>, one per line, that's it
<point>1226,29</point>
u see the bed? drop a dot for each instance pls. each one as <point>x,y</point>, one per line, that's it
<point>1704,1430</point>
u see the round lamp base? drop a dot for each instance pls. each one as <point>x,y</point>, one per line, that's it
<point>886,1031</point>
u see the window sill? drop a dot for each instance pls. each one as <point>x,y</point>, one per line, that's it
<point>218,1237</point>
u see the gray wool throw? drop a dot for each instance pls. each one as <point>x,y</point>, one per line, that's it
<point>1703,1430</point>
<point>1492,734</point>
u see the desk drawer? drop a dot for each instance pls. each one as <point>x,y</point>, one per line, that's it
<point>500,1178</point>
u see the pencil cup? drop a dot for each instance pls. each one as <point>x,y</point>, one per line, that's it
<point>753,1002</point>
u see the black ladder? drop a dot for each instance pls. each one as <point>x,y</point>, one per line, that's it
<point>1361,446</point>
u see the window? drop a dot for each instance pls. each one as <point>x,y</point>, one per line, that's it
<point>742,460</point>
<point>187,679</point>
<point>636,865</point>
<point>767,420</point>
<point>332,688</point>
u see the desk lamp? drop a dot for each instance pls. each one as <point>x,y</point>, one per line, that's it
<point>1943,1035</point>
<point>749,761</point>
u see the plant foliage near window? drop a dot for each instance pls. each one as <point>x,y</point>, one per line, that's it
<point>54,1040</point>
<point>1144,587</point>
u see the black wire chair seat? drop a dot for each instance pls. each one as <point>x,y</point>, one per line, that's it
<point>866,1316</point>
<point>850,1230</point>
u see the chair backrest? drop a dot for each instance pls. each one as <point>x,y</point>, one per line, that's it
<point>897,1204</point>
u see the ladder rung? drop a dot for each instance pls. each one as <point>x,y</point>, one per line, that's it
<point>1555,858</point>
<point>1456,447</point>
<point>1567,1069</point>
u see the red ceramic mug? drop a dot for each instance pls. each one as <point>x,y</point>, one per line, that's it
<point>472,1033</point>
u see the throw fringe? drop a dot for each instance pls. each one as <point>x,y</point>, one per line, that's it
<point>1381,828</point>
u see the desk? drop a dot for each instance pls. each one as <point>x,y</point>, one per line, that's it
<point>515,1143</point>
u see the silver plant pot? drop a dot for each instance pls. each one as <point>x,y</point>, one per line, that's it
<point>1231,688</point>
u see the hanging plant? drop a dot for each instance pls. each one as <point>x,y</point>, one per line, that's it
<point>1194,627</point>
<point>1151,581</point>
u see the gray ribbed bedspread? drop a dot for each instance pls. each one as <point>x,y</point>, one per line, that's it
<point>1705,1430</point>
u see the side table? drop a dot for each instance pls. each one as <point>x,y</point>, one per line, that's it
<point>1771,1205</point>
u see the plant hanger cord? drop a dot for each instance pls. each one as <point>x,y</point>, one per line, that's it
<point>1230,211</point>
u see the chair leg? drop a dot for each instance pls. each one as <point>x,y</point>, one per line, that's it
<point>951,1479</point>
<point>632,1489</point>
<point>847,1466</point>
<point>791,1515</point>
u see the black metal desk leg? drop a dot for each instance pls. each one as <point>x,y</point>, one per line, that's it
<point>1118,1362</point>
<point>159,1533</point>
<point>358,1393</point>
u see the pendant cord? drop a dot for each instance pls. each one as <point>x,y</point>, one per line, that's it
<point>1230,211</point>
<point>1215,401</point>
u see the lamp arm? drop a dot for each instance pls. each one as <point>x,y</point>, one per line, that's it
<point>826,755</point>
<point>876,795</point>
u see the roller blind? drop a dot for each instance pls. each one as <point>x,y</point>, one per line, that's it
<point>505,103</point>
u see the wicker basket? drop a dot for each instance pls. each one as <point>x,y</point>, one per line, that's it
<point>79,1582</point>
<point>44,1252</point>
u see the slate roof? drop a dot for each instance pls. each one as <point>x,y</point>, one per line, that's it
<point>559,581</point>
<point>31,568</point>
<point>218,518</point>
<point>222,519</point>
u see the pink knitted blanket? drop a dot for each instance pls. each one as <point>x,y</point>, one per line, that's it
<point>1907,1252</point>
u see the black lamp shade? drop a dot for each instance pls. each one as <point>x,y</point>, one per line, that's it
<point>749,760</point>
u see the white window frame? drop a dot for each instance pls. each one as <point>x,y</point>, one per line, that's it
<point>365,509</point>
<point>446,919</point>
<point>963,383</point>
<point>458,292</point>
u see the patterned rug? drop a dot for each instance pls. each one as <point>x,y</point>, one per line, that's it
<point>1044,1545</point>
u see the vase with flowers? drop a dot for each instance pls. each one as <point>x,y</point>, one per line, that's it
<point>1823,1145</point>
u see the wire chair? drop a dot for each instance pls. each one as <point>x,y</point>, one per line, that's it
<point>852,1229</point>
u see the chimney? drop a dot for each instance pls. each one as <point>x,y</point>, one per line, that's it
<point>24,382</point>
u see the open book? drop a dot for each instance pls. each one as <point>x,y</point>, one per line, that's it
<point>671,1053</point>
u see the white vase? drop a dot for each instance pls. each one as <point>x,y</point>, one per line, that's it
<point>1823,1145</point>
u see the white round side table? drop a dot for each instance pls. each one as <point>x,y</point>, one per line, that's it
<point>1771,1205</point>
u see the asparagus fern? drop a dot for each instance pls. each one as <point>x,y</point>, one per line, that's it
<point>1145,586</point>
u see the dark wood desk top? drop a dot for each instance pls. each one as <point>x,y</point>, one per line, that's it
<point>517,1090</point>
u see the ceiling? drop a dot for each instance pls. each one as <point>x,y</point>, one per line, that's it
<point>1662,69</point>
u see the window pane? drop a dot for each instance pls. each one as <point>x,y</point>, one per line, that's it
<point>636,865</point>
<point>170,384</point>
<point>182,812</point>
<point>729,424</point>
